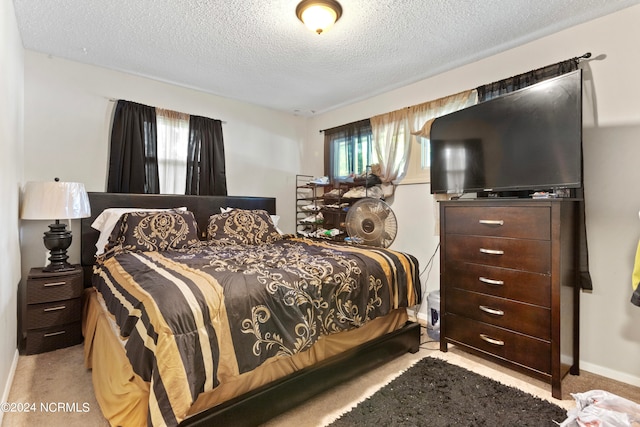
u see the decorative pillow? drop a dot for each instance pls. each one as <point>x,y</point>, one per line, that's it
<point>153,231</point>
<point>274,218</point>
<point>240,226</point>
<point>109,217</point>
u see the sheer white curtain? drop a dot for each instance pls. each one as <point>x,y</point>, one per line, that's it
<point>421,116</point>
<point>173,141</point>
<point>391,143</point>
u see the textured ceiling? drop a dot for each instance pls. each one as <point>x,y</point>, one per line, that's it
<point>257,51</point>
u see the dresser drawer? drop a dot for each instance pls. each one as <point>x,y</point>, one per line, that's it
<point>517,348</point>
<point>525,318</point>
<point>54,287</point>
<point>524,286</point>
<point>499,221</point>
<point>52,338</point>
<point>54,313</point>
<point>518,254</point>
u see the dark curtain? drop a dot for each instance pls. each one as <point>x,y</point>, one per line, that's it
<point>523,80</point>
<point>133,159</point>
<point>346,143</point>
<point>206,173</point>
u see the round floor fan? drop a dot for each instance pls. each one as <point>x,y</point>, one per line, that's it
<point>371,222</point>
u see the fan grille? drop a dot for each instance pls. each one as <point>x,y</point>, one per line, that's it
<point>371,222</point>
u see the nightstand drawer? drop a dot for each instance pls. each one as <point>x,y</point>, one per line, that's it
<point>53,287</point>
<point>47,339</point>
<point>517,348</point>
<point>54,313</point>
<point>524,318</point>
<point>524,286</point>
<point>518,254</point>
<point>500,221</point>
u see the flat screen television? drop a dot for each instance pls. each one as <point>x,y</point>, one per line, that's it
<point>524,141</point>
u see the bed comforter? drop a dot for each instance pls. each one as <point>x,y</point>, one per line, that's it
<point>197,317</point>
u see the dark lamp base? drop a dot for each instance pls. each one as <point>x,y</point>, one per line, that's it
<point>57,240</point>
<point>58,267</point>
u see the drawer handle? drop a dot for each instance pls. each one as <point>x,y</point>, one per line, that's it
<point>491,251</point>
<point>491,281</point>
<point>53,334</point>
<point>60,307</point>
<point>491,310</point>
<point>491,221</point>
<point>47,285</point>
<point>491,340</point>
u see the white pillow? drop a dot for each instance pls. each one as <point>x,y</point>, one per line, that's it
<point>108,218</point>
<point>274,218</point>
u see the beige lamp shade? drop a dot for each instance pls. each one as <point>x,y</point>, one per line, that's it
<point>55,200</point>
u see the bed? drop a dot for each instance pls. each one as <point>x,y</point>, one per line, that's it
<point>232,329</point>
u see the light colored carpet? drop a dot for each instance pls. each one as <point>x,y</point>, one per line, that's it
<point>60,377</point>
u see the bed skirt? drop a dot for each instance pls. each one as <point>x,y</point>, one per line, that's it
<point>124,397</point>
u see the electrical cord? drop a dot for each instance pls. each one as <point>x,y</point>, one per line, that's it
<point>423,344</point>
<point>427,268</point>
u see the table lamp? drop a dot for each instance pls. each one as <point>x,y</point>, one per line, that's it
<point>55,200</point>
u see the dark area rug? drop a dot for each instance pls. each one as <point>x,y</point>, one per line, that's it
<point>436,393</point>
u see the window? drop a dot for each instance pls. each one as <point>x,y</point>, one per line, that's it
<point>173,142</point>
<point>419,168</point>
<point>418,171</point>
<point>189,149</point>
<point>401,145</point>
<point>348,150</point>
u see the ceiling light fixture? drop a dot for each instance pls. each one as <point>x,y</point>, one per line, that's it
<point>319,15</point>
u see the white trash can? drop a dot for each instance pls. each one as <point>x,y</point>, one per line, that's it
<point>433,310</point>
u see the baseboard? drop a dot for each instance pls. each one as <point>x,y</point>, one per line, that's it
<point>610,373</point>
<point>7,386</point>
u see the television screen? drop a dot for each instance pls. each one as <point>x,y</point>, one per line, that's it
<point>529,139</point>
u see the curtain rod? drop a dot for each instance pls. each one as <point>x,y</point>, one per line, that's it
<point>578,58</point>
<point>346,124</point>
<point>224,122</point>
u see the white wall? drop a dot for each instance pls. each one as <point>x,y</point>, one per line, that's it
<point>11,153</point>
<point>610,332</point>
<point>68,112</point>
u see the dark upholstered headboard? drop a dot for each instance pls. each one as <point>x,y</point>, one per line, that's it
<point>201,206</point>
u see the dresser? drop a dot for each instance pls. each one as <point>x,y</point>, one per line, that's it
<point>53,312</point>
<point>509,283</point>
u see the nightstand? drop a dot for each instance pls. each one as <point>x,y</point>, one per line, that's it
<point>53,310</point>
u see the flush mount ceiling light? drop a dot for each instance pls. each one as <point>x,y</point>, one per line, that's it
<point>319,15</point>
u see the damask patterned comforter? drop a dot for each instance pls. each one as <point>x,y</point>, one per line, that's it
<point>198,316</point>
